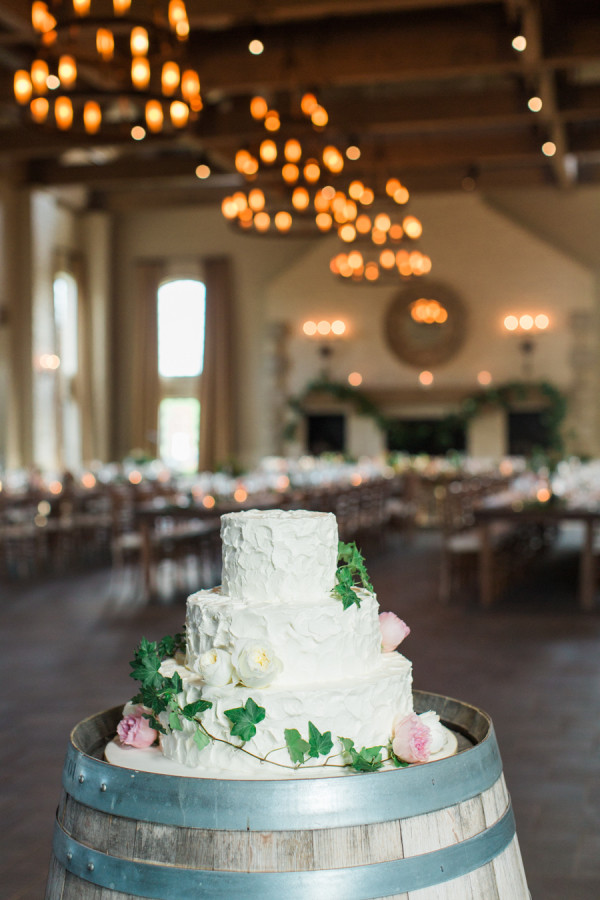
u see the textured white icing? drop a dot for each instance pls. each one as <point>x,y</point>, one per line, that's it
<point>317,641</point>
<point>362,708</point>
<point>277,556</point>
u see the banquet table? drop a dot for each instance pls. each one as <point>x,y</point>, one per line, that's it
<point>544,514</point>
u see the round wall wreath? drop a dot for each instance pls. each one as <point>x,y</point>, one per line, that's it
<point>504,396</point>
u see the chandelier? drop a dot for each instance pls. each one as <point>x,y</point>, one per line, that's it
<point>378,238</point>
<point>293,174</point>
<point>101,66</point>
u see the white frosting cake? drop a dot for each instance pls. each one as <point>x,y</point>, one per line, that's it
<point>284,672</point>
<point>276,634</point>
<point>278,556</point>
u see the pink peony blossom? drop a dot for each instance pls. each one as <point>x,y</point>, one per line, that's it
<point>393,631</point>
<point>136,731</point>
<point>411,739</point>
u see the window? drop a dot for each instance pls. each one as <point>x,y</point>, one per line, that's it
<point>181,316</point>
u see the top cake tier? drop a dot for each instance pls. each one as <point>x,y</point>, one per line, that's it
<point>278,555</point>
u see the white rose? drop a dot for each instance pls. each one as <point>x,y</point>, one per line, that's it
<point>438,735</point>
<point>256,664</point>
<point>214,667</point>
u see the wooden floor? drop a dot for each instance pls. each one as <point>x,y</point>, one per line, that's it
<point>533,663</point>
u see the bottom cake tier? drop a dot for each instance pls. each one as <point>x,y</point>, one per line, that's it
<point>361,709</point>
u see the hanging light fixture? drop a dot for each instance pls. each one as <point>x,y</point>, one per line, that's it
<point>99,69</point>
<point>377,239</point>
<point>295,171</point>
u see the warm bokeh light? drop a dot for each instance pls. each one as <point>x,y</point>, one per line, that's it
<point>519,43</point>
<point>526,322</point>
<point>543,494</point>
<point>292,150</point>
<point>135,477</point>
<point>55,487</point>
<point>428,312</point>
<point>290,173</point>
<point>412,227</point>
<point>549,148</point>
<point>535,104</point>
<point>138,41</point>
<point>39,109</point>
<point>92,116</point>
<point>272,122</point>
<point>268,151</point>
<point>256,47</point>
<point>63,113</point>
<point>355,379</point>
<point>208,502</point>
<point>355,479</point>
<point>309,327</point>
<point>258,107</point>
<point>324,327</point>
<point>338,327</point>
<point>282,483</point>
<point>308,103</point>
<point>426,378</point>
<point>88,480</point>
<point>542,321</point>
<point>283,221</point>
<point>202,171</point>
<point>353,152</point>
<point>511,323</point>
<point>484,377</point>
<point>262,221</point>
<point>240,494</point>
<point>140,73</point>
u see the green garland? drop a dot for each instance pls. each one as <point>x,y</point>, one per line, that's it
<point>504,396</point>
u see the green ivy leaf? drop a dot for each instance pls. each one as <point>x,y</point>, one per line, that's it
<point>350,575</point>
<point>198,706</point>
<point>245,718</point>
<point>201,739</point>
<point>156,724</point>
<point>396,761</point>
<point>176,682</point>
<point>175,721</point>
<point>347,744</point>
<point>319,744</point>
<point>368,760</point>
<point>171,644</point>
<point>297,746</point>
<point>145,665</point>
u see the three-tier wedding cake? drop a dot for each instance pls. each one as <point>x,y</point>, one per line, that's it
<point>284,667</point>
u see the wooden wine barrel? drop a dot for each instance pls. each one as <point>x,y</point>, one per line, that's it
<point>440,831</point>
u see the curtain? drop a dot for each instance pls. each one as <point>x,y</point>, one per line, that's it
<point>84,376</point>
<point>217,383</point>
<point>144,377</point>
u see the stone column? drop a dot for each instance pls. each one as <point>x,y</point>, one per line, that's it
<point>582,425</point>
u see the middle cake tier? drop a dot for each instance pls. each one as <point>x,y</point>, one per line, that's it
<point>316,641</point>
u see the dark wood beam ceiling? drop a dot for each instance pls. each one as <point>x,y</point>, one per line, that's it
<point>430,89</point>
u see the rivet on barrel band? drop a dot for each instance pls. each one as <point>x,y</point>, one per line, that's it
<point>353,883</point>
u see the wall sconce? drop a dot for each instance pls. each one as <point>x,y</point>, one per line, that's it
<point>324,331</point>
<point>324,328</point>
<point>526,326</point>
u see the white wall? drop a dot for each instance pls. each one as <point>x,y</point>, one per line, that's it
<point>496,266</point>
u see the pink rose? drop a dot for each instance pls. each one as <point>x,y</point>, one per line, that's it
<point>411,739</point>
<point>393,631</point>
<point>136,731</point>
